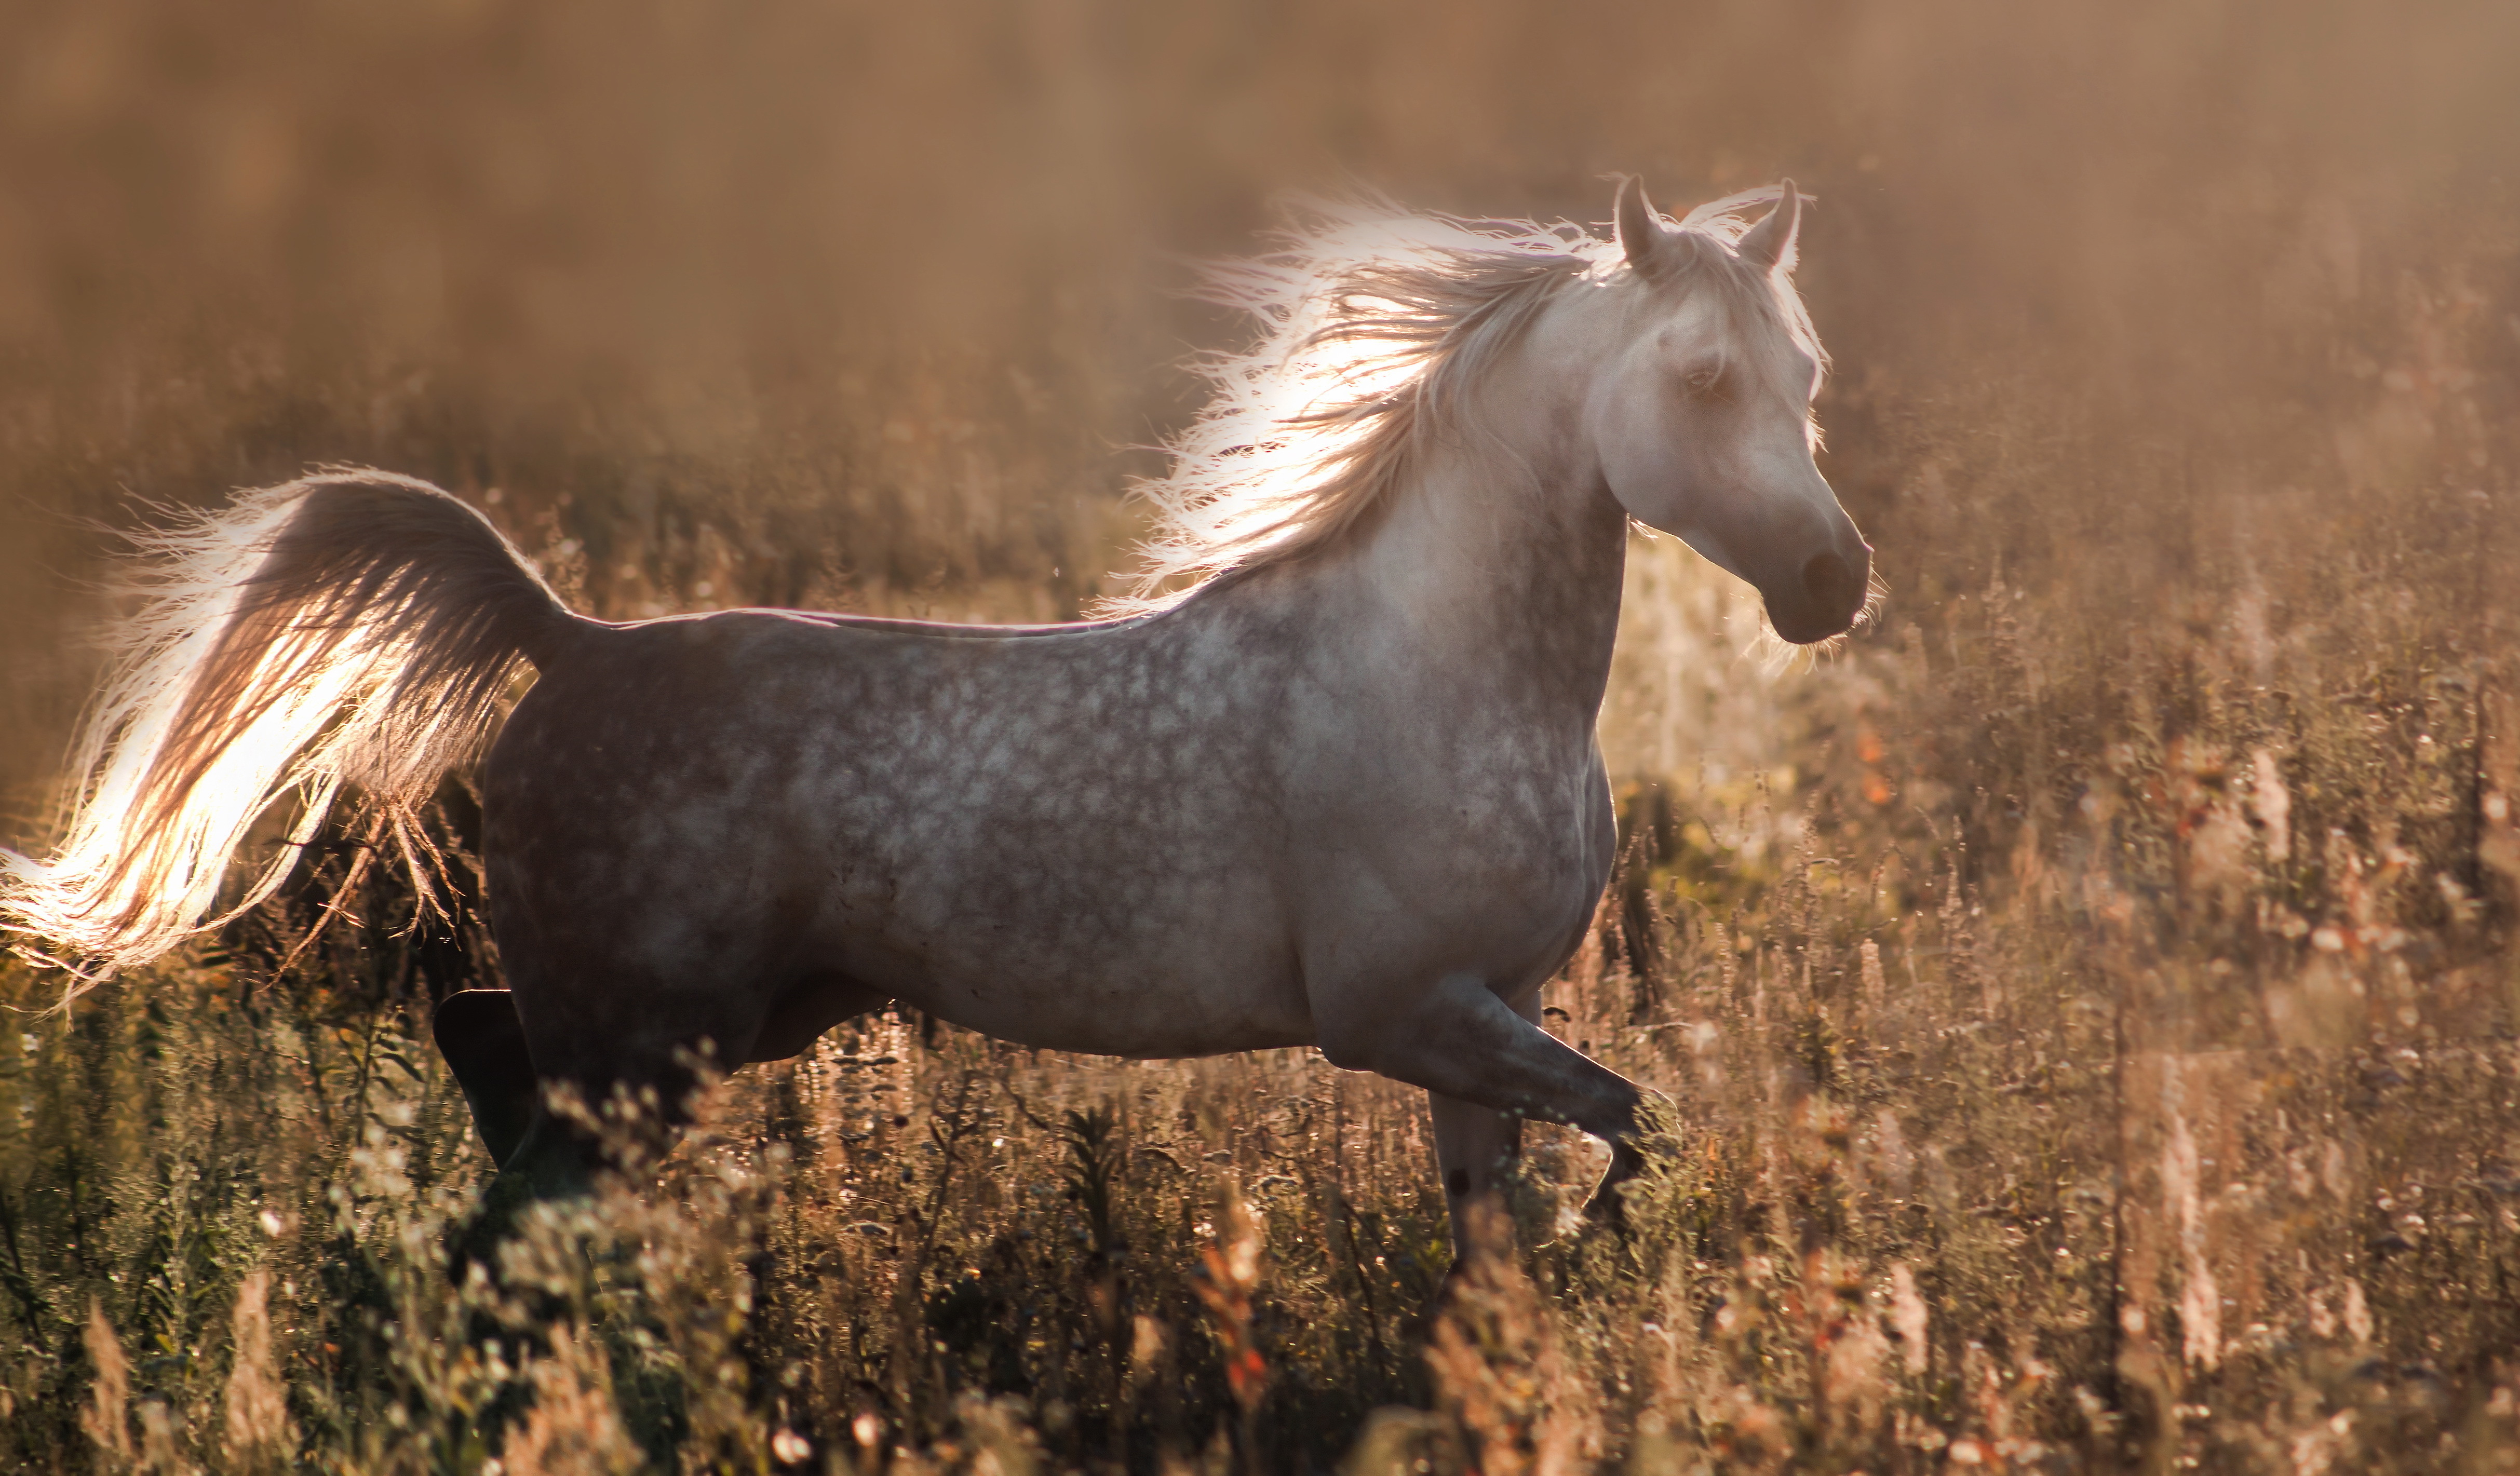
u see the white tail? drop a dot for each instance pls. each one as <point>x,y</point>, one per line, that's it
<point>352,628</point>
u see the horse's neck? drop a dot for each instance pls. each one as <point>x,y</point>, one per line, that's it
<point>1506,565</point>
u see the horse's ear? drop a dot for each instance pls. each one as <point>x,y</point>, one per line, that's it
<point>1770,242</point>
<point>1649,247</point>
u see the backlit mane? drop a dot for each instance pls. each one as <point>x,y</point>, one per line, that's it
<point>1372,321</point>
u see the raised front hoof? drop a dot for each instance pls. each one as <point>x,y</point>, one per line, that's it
<point>1608,1210</point>
<point>1606,1214</point>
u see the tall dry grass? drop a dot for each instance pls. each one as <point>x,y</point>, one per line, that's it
<point>2088,1000</point>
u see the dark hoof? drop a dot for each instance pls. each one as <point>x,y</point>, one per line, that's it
<point>1609,1207</point>
<point>1607,1212</point>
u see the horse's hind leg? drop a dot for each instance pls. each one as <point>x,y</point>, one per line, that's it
<point>613,1060</point>
<point>484,1043</point>
<point>626,1113</point>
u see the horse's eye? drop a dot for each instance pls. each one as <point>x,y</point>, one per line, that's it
<point>1703,380</point>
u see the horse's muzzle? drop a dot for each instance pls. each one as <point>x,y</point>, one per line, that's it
<point>1831,595</point>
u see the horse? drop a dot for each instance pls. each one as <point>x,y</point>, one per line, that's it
<point>1330,779</point>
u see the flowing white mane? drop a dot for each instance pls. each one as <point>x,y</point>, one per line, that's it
<point>1371,322</point>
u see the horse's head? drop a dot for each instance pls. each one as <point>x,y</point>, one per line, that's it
<point>1701,413</point>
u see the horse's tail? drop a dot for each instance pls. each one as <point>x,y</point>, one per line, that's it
<point>350,627</point>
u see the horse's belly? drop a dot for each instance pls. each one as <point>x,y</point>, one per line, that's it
<point>1146,1018</point>
<point>1141,1006</point>
<point>1120,957</point>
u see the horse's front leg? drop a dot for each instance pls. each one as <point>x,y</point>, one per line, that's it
<point>1476,1149</point>
<point>1489,1068</point>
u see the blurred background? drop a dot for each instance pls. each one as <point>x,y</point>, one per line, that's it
<point>868,306</point>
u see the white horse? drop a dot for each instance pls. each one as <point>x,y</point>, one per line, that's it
<point>1342,790</point>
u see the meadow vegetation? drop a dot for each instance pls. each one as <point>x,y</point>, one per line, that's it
<point>2089,1000</point>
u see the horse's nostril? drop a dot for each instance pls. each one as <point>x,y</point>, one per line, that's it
<point>1831,585</point>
